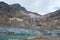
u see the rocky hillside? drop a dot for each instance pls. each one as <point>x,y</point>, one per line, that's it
<point>9,12</point>
<point>50,22</point>
<point>15,16</point>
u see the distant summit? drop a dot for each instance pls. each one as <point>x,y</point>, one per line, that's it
<point>54,14</point>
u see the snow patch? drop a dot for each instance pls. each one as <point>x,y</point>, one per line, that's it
<point>18,19</point>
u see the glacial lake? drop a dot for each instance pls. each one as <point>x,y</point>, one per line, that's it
<point>22,37</point>
<point>15,37</point>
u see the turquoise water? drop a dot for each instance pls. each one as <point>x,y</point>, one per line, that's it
<point>15,37</point>
<point>20,37</point>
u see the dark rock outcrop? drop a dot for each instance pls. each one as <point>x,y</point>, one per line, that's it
<point>4,8</point>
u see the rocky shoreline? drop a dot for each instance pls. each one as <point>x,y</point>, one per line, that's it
<point>44,38</point>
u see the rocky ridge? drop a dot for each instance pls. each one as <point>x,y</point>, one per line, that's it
<point>16,16</point>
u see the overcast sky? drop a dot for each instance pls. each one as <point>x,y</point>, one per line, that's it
<point>40,6</point>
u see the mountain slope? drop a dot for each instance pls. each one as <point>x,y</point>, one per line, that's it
<point>16,16</point>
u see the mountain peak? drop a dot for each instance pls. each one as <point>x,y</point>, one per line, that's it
<point>4,7</point>
<point>18,7</point>
<point>2,2</point>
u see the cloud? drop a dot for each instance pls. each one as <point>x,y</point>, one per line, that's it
<point>53,4</point>
<point>39,6</point>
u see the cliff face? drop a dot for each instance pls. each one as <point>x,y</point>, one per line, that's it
<point>15,11</point>
<point>16,16</point>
